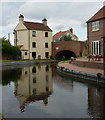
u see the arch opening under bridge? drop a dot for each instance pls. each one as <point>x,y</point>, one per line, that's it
<point>66,54</point>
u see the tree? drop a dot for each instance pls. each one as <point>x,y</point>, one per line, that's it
<point>9,51</point>
<point>66,38</point>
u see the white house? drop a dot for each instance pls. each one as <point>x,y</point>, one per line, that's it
<point>34,39</point>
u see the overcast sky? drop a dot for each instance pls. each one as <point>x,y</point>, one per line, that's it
<point>60,15</point>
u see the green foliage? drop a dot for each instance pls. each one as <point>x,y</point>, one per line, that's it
<point>66,38</point>
<point>9,51</point>
<point>10,75</point>
<point>63,58</point>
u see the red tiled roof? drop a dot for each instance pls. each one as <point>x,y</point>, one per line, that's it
<point>99,15</point>
<point>59,35</point>
<point>36,26</point>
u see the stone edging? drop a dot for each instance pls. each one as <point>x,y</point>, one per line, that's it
<point>82,75</point>
<point>24,62</point>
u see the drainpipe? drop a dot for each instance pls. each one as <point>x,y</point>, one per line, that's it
<point>104,54</point>
<point>88,39</point>
<point>29,43</point>
<point>104,42</point>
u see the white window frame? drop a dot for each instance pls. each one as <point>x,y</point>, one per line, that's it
<point>95,48</point>
<point>33,33</point>
<point>95,26</point>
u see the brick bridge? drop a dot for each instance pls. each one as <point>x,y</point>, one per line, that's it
<point>68,49</point>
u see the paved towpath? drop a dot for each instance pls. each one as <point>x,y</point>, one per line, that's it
<point>81,69</point>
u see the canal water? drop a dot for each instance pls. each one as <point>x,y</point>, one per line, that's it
<point>40,92</point>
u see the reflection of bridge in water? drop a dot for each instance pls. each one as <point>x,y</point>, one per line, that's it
<point>35,84</point>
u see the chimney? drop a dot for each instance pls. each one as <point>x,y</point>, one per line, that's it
<point>71,30</point>
<point>21,18</point>
<point>44,21</point>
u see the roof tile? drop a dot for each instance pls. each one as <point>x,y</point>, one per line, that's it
<point>36,26</point>
<point>100,14</point>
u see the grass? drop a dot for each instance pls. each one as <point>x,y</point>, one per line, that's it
<point>25,60</point>
<point>64,61</point>
<point>83,57</point>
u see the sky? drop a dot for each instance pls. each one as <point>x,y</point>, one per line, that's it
<point>61,15</point>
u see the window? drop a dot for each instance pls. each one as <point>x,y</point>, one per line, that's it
<point>46,45</point>
<point>47,89</point>
<point>34,44</point>
<point>46,34</point>
<point>26,72</point>
<point>34,70</point>
<point>25,53</point>
<point>95,26</point>
<point>95,47</point>
<point>47,68</point>
<point>34,80</point>
<point>33,33</point>
<point>46,54</point>
<point>34,91</point>
<point>34,55</point>
<point>47,78</point>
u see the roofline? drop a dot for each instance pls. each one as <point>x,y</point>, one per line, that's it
<point>95,20</point>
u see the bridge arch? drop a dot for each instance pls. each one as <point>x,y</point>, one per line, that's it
<point>66,53</point>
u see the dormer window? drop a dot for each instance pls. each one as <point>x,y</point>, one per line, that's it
<point>33,33</point>
<point>95,26</point>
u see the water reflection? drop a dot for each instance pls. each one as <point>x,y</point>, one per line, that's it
<point>69,98</point>
<point>10,75</point>
<point>34,84</point>
<point>96,102</point>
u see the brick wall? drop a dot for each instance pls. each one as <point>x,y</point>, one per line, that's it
<point>77,47</point>
<point>96,35</point>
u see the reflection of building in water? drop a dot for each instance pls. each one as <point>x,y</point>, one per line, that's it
<point>96,102</point>
<point>35,84</point>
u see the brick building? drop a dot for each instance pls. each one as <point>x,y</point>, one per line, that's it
<point>96,32</point>
<point>59,36</point>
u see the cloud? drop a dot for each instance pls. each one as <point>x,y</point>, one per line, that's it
<point>60,15</point>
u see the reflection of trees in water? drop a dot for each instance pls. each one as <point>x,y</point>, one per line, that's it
<point>10,75</point>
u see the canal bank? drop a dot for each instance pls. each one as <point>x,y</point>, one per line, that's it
<point>27,62</point>
<point>82,73</point>
<point>16,64</point>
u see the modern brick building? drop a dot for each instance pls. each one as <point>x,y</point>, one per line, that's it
<point>96,32</point>
<point>34,39</point>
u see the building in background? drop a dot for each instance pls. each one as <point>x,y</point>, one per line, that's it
<point>65,36</point>
<point>34,39</point>
<point>95,32</point>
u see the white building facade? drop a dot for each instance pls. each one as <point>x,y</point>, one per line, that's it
<point>34,39</point>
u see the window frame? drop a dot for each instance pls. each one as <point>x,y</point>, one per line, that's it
<point>33,44</point>
<point>95,47</point>
<point>46,44</point>
<point>33,33</point>
<point>46,34</point>
<point>95,26</point>
<point>46,55</point>
<point>25,53</point>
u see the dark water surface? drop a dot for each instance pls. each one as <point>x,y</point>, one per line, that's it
<point>39,92</point>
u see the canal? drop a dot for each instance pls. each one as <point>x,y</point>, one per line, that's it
<point>40,92</point>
